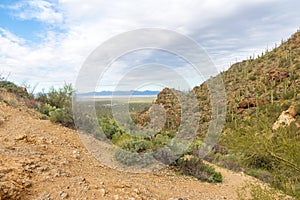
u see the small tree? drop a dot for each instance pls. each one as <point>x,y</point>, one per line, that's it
<point>57,104</point>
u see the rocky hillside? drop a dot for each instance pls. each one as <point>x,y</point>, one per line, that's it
<point>273,77</point>
<point>263,109</point>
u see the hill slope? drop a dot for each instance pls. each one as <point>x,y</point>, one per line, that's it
<point>258,92</point>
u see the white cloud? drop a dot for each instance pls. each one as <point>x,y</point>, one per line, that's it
<point>10,36</point>
<point>40,10</point>
<point>43,63</point>
<point>228,29</point>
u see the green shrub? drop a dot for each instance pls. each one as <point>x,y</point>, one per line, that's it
<point>137,146</point>
<point>159,141</point>
<point>13,88</point>
<point>129,158</point>
<point>228,161</point>
<point>44,117</point>
<point>252,78</point>
<point>194,147</point>
<point>31,103</point>
<point>258,192</point>
<point>110,128</point>
<point>62,97</point>
<point>57,104</point>
<point>42,97</point>
<point>294,76</point>
<point>297,109</point>
<point>259,161</point>
<point>46,108</point>
<point>261,149</point>
<point>62,116</point>
<point>288,95</point>
<point>261,174</point>
<point>257,73</point>
<point>194,166</point>
<point>285,105</point>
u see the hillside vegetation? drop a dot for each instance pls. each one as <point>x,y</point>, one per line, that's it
<point>258,91</point>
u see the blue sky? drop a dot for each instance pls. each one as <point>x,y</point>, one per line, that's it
<point>45,43</point>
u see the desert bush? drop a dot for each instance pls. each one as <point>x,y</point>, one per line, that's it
<point>42,97</point>
<point>294,76</point>
<point>258,192</point>
<point>63,116</point>
<point>194,147</point>
<point>285,105</point>
<point>138,150</point>
<point>288,95</point>
<point>194,166</point>
<point>228,161</point>
<point>13,88</point>
<point>110,128</point>
<point>137,146</point>
<point>57,104</point>
<point>46,108</point>
<point>160,140</point>
<point>261,174</point>
<point>129,158</point>
<point>31,103</point>
<point>62,97</point>
<point>297,108</point>
<point>262,149</point>
<point>252,78</point>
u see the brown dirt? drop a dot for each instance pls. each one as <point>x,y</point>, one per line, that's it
<point>42,160</point>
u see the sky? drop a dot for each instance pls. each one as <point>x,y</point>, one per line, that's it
<point>44,43</point>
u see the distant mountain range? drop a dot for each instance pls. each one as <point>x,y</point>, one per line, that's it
<point>122,93</point>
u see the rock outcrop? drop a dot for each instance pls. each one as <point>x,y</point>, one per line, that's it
<point>285,118</point>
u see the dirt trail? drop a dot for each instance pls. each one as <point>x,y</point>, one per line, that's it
<point>42,160</point>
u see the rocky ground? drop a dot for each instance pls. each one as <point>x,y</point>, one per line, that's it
<point>42,160</point>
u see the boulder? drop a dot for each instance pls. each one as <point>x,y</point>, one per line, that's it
<point>285,118</point>
<point>277,76</point>
<point>250,102</point>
